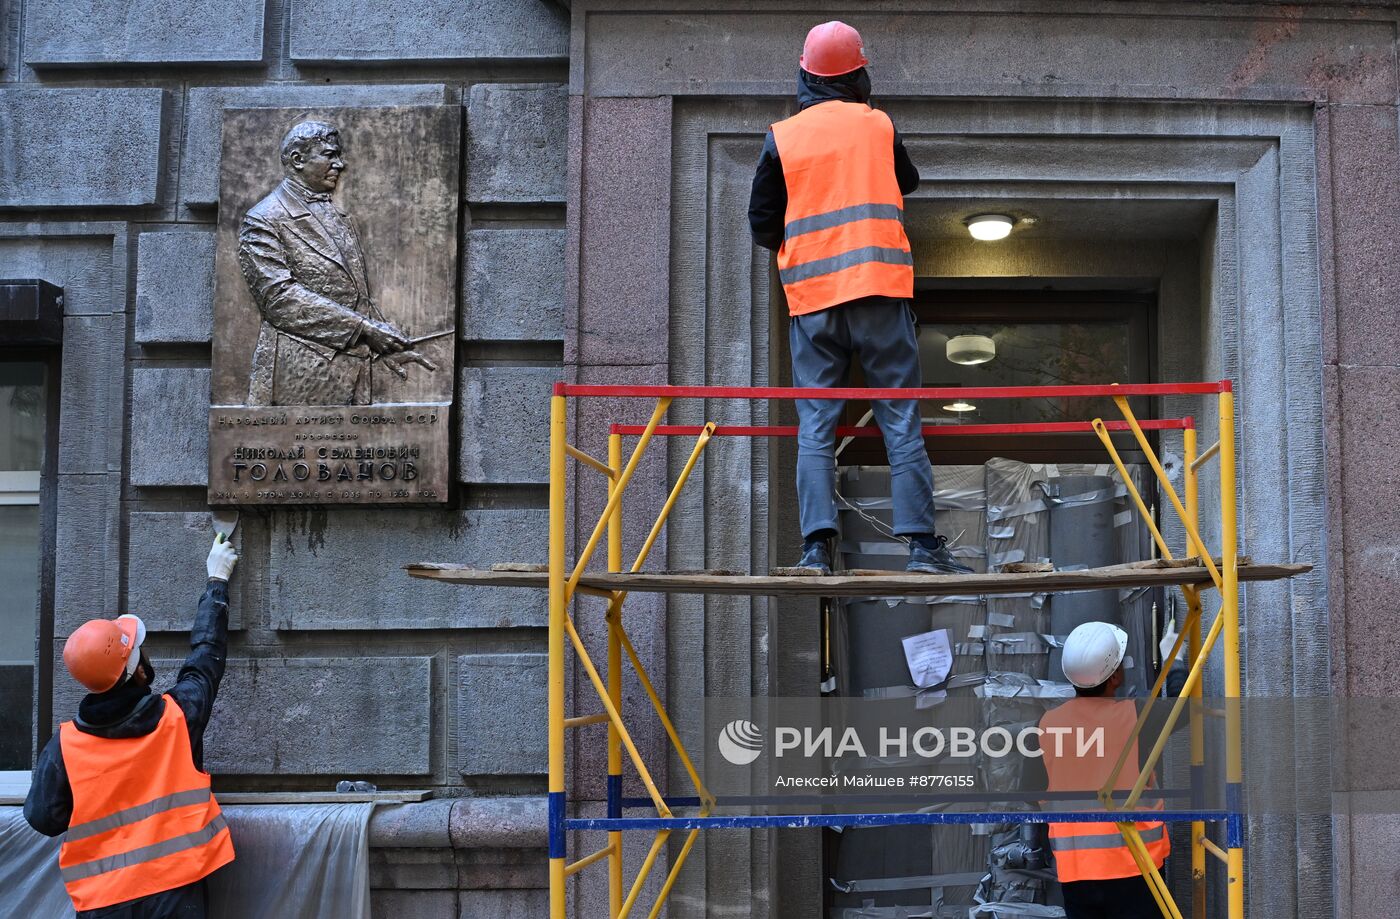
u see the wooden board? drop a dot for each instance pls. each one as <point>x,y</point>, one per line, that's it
<point>294,797</point>
<point>885,584</point>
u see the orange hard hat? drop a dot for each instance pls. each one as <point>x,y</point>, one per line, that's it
<point>100,651</point>
<point>831,49</point>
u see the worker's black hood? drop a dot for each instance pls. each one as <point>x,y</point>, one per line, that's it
<point>127,710</point>
<point>848,87</point>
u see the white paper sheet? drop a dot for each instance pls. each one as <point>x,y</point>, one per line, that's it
<point>930,657</point>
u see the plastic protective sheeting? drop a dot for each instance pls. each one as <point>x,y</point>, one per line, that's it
<point>1006,651</point>
<point>29,881</point>
<point>302,861</point>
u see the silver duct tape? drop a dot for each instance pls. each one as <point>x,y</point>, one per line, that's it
<point>958,681</point>
<point>1050,691</point>
<point>870,911</point>
<point>1024,643</point>
<point>1122,518</point>
<point>1020,509</point>
<point>1006,910</point>
<point>921,601</point>
<point>1002,620</point>
<point>977,632</point>
<point>884,885</point>
<point>1036,505</point>
<point>969,649</point>
<point>1007,557</point>
<point>1007,532</point>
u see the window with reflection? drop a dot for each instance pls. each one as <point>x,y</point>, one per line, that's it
<point>23,442</point>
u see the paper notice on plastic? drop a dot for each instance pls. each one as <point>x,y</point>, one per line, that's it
<point>930,657</point>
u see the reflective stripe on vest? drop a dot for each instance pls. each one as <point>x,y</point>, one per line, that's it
<point>1112,840</point>
<point>843,237</point>
<point>144,818</point>
<point>146,853</point>
<point>1095,851</point>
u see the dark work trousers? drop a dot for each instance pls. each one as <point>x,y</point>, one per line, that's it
<point>188,902</point>
<point>1120,898</point>
<point>881,333</point>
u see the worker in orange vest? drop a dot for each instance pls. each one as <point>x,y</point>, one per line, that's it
<point>828,196</point>
<point>1097,873</point>
<point>125,779</point>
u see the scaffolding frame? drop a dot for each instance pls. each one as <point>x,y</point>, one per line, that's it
<point>564,585</point>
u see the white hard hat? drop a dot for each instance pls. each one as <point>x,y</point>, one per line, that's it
<point>1092,652</point>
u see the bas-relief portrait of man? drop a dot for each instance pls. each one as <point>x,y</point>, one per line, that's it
<point>336,270</point>
<point>323,339</point>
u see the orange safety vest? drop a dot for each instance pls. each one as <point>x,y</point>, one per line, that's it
<point>843,237</point>
<point>1094,851</point>
<point>144,818</point>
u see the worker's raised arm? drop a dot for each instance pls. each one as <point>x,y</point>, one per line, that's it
<point>768,198</point>
<point>203,670</point>
<point>905,172</point>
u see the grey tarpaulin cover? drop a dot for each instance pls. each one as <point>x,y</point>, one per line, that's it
<point>295,861</point>
<point>29,882</point>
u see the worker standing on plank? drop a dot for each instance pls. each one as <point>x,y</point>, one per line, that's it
<point>829,197</point>
<point>1097,872</point>
<point>125,779</point>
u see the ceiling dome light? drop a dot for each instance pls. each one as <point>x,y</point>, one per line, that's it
<point>971,349</point>
<point>990,227</point>
<point>960,407</point>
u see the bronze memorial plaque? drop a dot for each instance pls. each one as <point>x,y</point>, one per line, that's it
<point>335,306</point>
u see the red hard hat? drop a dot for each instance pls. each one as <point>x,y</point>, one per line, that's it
<point>831,49</point>
<point>98,651</point>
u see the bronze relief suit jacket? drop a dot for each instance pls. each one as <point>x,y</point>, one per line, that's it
<point>313,297</point>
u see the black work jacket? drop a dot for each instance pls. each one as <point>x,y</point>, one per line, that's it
<point>134,711</point>
<point>768,197</point>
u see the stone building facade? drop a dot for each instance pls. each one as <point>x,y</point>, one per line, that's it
<point>1242,158</point>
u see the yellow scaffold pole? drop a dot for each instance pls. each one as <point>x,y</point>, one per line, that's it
<point>1193,634</point>
<point>558,851</point>
<point>1230,611</point>
<point>614,617</point>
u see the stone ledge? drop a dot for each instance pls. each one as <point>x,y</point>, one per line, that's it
<point>462,823</point>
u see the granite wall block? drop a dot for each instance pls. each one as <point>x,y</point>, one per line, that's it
<point>500,698</point>
<point>170,426</point>
<point>514,285</point>
<point>517,138</point>
<point>165,569</point>
<point>427,30</point>
<point>107,140</point>
<point>58,32</point>
<point>337,717</point>
<point>87,541</point>
<point>175,287</point>
<point>504,904</point>
<point>90,394</point>
<point>505,412</point>
<point>339,569</point>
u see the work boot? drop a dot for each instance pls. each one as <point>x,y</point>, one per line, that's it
<point>928,554</point>
<point>816,555</point>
